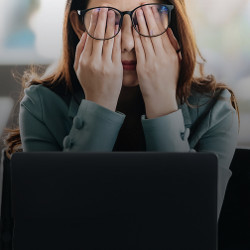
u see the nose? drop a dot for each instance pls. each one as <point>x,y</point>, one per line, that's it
<point>127,35</point>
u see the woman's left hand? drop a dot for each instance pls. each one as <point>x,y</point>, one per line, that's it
<point>158,67</point>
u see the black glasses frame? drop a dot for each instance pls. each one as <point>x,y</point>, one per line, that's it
<point>82,13</point>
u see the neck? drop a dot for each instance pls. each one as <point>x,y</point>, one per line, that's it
<point>129,101</point>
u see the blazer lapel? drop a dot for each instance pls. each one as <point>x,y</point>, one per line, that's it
<point>74,103</point>
<point>186,115</point>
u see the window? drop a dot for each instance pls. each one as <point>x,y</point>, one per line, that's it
<point>30,31</point>
<point>222,33</point>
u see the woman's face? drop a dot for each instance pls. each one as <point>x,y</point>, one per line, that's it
<point>127,40</point>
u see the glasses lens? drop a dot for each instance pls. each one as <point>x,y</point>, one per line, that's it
<point>145,16</point>
<point>102,23</point>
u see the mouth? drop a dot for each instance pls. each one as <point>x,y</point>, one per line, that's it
<point>129,65</point>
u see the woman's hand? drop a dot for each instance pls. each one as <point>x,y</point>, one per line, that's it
<point>98,63</point>
<point>158,66</point>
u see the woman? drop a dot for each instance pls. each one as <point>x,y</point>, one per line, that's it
<point>129,89</point>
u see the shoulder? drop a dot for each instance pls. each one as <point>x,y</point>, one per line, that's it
<point>39,99</point>
<point>216,108</point>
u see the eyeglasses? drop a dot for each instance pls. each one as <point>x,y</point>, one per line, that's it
<point>113,17</point>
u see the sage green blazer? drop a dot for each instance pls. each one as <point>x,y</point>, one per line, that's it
<point>47,123</point>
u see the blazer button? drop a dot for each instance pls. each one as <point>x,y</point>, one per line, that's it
<point>68,142</point>
<point>78,123</point>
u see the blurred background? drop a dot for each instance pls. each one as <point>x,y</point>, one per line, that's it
<point>31,33</point>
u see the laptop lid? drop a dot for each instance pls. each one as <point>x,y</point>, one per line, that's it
<point>116,200</point>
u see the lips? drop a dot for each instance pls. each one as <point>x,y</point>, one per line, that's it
<point>129,62</point>
<point>129,65</point>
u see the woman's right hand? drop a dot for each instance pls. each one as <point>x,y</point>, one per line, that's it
<point>98,63</point>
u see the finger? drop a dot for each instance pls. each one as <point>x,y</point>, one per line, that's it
<point>89,40</point>
<point>116,53</point>
<point>111,31</point>
<point>99,32</point>
<point>153,28</point>
<point>146,41</point>
<point>161,19</point>
<point>174,42</point>
<point>167,45</point>
<point>139,50</point>
<point>172,39</point>
<point>79,49</point>
<point>162,22</point>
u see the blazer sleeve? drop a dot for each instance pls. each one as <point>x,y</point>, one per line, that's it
<point>168,133</point>
<point>94,128</point>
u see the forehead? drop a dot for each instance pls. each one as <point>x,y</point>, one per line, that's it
<point>123,5</point>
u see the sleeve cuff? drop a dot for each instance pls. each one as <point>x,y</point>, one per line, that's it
<point>166,133</point>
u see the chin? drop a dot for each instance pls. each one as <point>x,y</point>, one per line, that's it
<point>130,80</point>
<point>133,84</point>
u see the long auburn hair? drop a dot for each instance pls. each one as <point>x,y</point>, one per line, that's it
<point>64,72</point>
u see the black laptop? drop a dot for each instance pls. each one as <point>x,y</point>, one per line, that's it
<point>114,200</point>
